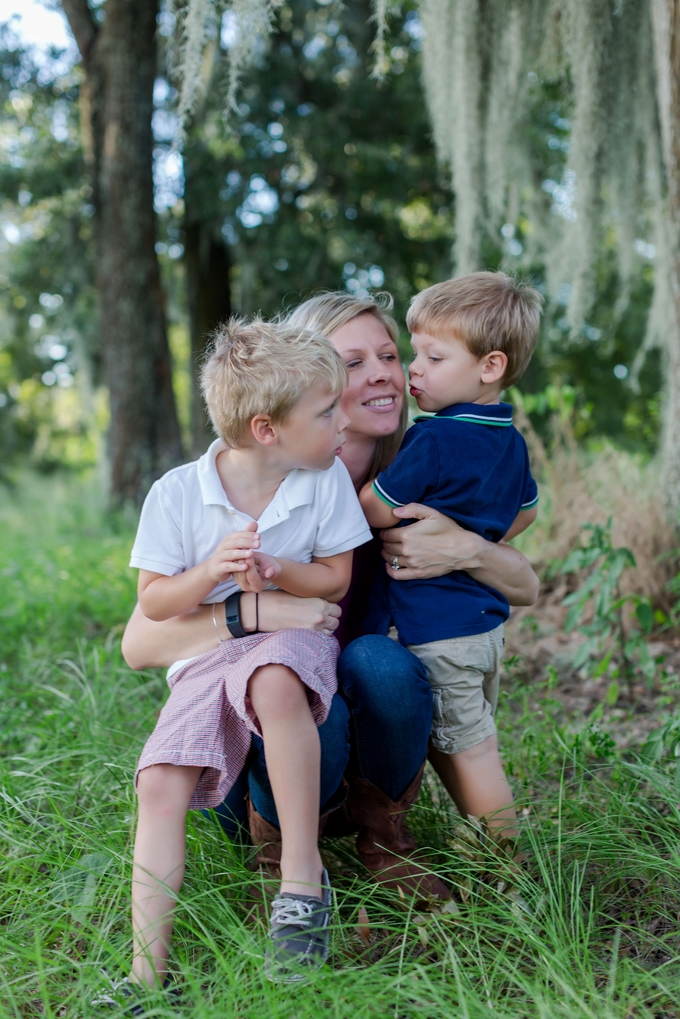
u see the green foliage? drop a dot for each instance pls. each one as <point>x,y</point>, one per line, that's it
<point>664,741</point>
<point>64,570</point>
<point>598,610</point>
<point>48,349</point>
<point>323,178</point>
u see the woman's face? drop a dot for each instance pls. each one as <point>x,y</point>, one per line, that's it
<point>375,394</point>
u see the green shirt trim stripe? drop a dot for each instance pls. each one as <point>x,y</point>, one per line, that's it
<point>384,496</point>
<point>473,419</point>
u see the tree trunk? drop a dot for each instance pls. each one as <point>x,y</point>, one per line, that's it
<point>666,28</point>
<point>119,59</point>
<point>206,261</point>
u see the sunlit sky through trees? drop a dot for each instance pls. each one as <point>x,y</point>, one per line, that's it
<point>38,25</point>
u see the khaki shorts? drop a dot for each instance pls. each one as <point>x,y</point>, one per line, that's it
<point>464,674</point>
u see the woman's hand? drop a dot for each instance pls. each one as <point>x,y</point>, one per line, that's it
<point>435,545</point>
<point>282,611</point>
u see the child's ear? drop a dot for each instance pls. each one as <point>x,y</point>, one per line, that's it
<point>494,366</point>
<point>263,430</point>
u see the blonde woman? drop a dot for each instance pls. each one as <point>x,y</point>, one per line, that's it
<point>374,742</point>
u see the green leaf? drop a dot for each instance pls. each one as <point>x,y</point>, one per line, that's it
<point>584,653</point>
<point>603,665</point>
<point>77,885</point>
<point>612,694</point>
<point>645,615</point>
<point>553,677</point>
<point>573,616</point>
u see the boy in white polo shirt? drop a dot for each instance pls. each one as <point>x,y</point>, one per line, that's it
<point>269,504</point>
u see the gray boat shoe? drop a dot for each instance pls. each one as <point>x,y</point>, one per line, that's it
<point>134,998</point>
<point>298,930</point>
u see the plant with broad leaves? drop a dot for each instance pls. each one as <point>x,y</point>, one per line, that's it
<point>78,884</point>
<point>612,644</point>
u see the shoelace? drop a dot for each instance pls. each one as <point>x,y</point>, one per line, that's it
<point>120,991</point>
<point>292,911</point>
<point>106,997</point>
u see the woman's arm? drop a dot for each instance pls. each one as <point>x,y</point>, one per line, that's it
<point>436,545</point>
<point>148,644</point>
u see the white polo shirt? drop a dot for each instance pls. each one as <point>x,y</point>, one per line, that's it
<point>187,513</point>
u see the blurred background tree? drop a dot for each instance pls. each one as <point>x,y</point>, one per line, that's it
<point>117,44</point>
<point>322,177</point>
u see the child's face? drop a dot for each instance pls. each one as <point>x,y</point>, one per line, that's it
<point>314,433</point>
<point>444,372</point>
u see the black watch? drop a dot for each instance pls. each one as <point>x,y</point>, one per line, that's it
<point>232,613</point>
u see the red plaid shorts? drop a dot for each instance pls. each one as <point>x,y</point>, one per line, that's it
<point>208,719</point>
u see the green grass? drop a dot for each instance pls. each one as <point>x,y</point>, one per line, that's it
<point>590,930</point>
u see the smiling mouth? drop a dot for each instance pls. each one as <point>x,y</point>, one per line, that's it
<point>381,401</point>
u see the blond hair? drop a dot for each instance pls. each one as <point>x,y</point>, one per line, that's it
<point>262,367</point>
<point>487,311</point>
<point>327,312</point>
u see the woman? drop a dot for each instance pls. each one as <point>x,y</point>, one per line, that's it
<point>374,742</point>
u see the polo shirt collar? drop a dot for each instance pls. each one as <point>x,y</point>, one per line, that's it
<point>208,478</point>
<point>498,414</point>
<point>296,489</point>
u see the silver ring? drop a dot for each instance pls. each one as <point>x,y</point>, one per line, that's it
<point>395,563</point>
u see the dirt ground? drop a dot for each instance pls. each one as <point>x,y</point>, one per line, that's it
<point>536,635</point>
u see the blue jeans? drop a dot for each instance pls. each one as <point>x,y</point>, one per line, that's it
<point>379,724</point>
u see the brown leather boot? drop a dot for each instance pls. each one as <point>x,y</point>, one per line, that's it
<point>267,841</point>
<point>267,863</point>
<point>385,844</point>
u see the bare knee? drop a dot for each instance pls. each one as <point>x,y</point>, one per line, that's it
<point>276,688</point>
<point>165,788</point>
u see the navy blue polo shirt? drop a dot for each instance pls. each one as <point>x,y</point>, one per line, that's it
<point>470,463</point>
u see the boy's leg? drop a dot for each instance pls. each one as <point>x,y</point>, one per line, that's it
<point>476,782</point>
<point>291,743</point>
<point>334,742</point>
<point>465,674</point>
<point>164,792</point>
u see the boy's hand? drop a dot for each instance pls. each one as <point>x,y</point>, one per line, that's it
<point>264,569</point>
<point>234,554</point>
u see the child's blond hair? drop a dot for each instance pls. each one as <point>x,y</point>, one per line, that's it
<point>486,311</point>
<point>262,367</point>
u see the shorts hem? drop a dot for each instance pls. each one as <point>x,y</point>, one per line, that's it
<point>201,798</point>
<point>457,746</point>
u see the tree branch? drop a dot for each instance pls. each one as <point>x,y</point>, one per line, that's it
<point>83,27</point>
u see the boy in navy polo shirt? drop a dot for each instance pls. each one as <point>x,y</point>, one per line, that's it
<point>472,338</point>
